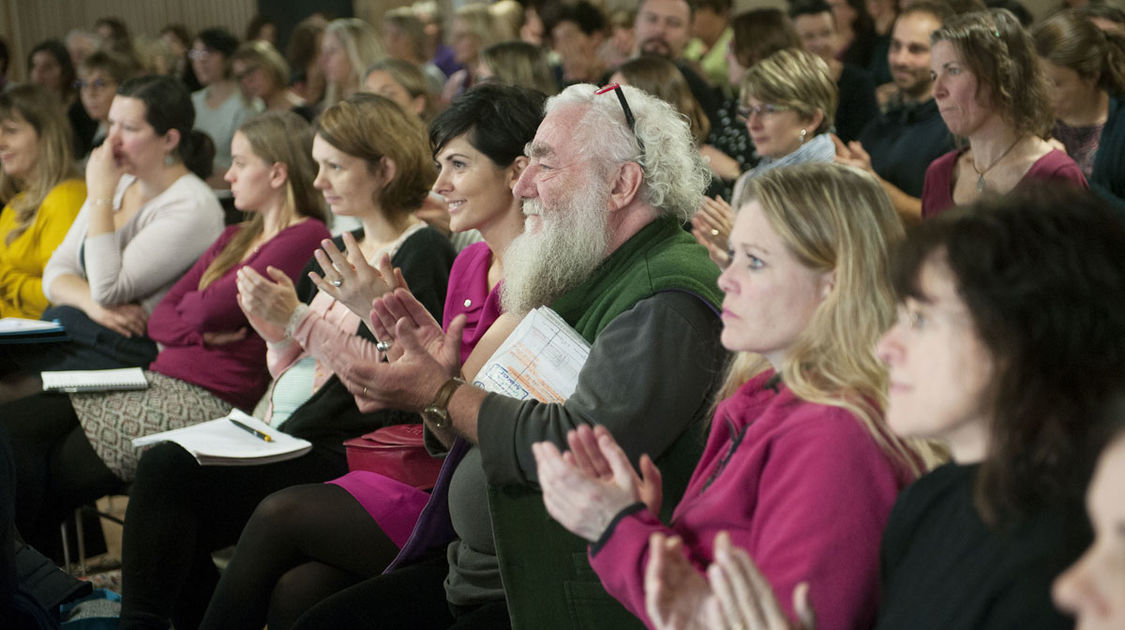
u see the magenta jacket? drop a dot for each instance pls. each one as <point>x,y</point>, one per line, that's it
<point>802,487</point>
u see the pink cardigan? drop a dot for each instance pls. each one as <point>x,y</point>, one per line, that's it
<point>803,487</point>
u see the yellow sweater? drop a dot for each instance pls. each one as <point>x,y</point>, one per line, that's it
<point>22,261</point>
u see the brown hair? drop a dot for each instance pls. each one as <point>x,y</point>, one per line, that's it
<point>53,164</point>
<point>663,79</point>
<point>117,66</point>
<point>1071,40</point>
<point>277,137</point>
<point>373,127</point>
<point>998,51</point>
<point>760,33</point>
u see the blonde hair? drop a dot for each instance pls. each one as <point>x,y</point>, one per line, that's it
<point>797,79</point>
<point>53,162</point>
<point>277,137</point>
<point>481,22</point>
<point>837,219</point>
<point>509,16</point>
<point>362,46</point>
<point>264,55</point>
<point>520,63</point>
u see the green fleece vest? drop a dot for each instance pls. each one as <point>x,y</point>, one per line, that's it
<point>547,578</point>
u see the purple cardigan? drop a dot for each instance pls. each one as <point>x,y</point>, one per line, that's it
<point>235,372</point>
<point>937,189</point>
<point>802,487</point>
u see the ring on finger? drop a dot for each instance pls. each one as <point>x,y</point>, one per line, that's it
<point>382,346</point>
<point>365,391</point>
<point>714,231</point>
<point>336,282</point>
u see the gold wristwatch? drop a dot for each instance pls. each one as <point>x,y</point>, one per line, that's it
<point>437,412</point>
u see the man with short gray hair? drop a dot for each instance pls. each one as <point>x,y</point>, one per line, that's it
<point>612,175</point>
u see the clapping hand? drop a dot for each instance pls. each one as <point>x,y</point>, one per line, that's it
<point>268,305</point>
<point>711,226</point>
<point>852,154</point>
<point>585,490</point>
<point>421,357</point>
<point>350,279</point>
<point>746,599</point>
<point>734,595</point>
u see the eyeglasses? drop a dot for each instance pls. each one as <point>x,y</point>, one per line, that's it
<point>96,84</point>
<point>629,118</point>
<point>744,111</point>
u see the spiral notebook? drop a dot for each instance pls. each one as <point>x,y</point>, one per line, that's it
<point>72,381</point>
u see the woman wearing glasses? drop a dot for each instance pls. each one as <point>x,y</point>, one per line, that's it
<point>789,104</point>
<point>99,74</point>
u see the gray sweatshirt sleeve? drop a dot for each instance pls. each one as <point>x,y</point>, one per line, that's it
<point>650,374</point>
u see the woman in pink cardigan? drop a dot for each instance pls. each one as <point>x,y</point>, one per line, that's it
<point>799,466</point>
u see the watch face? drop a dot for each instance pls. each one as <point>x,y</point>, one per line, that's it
<point>436,416</point>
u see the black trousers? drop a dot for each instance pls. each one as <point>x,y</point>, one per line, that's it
<point>410,597</point>
<point>180,512</point>
<point>57,470</point>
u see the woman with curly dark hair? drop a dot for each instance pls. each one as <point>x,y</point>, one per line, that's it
<point>1010,341</point>
<point>991,89</point>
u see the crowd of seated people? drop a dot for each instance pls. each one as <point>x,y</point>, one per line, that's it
<point>850,274</point>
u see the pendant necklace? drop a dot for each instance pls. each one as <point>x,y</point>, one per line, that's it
<point>981,172</point>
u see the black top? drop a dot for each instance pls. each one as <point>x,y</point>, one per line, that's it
<point>857,105</point>
<point>943,568</point>
<point>903,141</point>
<point>1108,176</point>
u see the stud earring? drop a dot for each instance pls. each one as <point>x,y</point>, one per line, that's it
<point>804,132</point>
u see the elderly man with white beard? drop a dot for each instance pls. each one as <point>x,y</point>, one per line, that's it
<point>612,176</point>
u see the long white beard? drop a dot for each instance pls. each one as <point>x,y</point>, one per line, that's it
<point>572,240</point>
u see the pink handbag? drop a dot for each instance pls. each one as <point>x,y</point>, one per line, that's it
<point>397,452</point>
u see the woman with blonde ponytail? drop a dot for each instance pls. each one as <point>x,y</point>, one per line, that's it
<point>42,191</point>
<point>799,468</point>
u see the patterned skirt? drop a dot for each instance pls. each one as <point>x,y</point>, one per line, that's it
<point>112,419</point>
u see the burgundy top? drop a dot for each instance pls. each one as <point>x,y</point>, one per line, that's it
<point>937,191</point>
<point>235,372</point>
<point>803,487</point>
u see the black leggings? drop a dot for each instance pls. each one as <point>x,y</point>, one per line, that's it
<point>180,512</point>
<point>56,468</point>
<point>411,597</point>
<point>301,545</point>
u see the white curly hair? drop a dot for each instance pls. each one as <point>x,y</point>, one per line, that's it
<point>675,175</point>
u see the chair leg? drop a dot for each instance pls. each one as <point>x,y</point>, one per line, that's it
<point>65,547</point>
<point>81,536</point>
